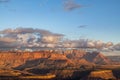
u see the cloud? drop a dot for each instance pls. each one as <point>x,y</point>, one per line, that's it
<point>44,2</point>
<point>51,39</point>
<point>17,31</point>
<point>116,46</point>
<point>29,37</point>
<point>108,44</point>
<point>28,30</point>
<point>82,26</point>
<point>7,42</point>
<point>71,5</point>
<point>86,43</point>
<point>4,1</point>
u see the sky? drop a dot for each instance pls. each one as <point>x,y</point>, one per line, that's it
<point>76,19</point>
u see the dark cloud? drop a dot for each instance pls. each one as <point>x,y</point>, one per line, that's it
<point>71,5</point>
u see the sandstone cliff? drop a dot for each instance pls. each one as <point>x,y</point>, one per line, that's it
<point>71,58</point>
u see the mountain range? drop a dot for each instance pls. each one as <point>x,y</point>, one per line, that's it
<point>63,64</point>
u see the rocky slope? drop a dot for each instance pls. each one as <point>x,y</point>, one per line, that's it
<point>97,58</point>
<point>68,58</point>
<point>68,64</point>
<point>14,59</point>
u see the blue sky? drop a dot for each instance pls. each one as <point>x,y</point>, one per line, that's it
<point>101,17</point>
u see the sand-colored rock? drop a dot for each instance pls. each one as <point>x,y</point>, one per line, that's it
<point>102,74</point>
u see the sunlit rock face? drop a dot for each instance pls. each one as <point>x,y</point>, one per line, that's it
<point>69,57</point>
<point>68,64</point>
<point>14,59</point>
<point>103,74</point>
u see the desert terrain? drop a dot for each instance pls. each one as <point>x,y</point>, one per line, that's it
<point>71,64</point>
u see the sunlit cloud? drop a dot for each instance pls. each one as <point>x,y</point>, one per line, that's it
<point>117,46</point>
<point>30,37</point>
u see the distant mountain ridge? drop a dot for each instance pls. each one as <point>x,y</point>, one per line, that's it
<point>51,58</point>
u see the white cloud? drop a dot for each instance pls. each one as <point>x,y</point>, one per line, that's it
<point>29,37</point>
<point>117,46</point>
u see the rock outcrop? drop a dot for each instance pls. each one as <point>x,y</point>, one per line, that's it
<point>102,75</point>
<point>52,58</point>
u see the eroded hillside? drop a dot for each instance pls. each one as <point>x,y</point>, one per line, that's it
<point>68,64</point>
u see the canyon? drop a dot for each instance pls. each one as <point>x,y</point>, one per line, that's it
<point>58,65</point>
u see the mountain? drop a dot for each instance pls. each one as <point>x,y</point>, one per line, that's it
<point>91,57</point>
<point>15,59</point>
<point>97,58</point>
<point>114,58</point>
<point>68,64</point>
<point>67,58</point>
